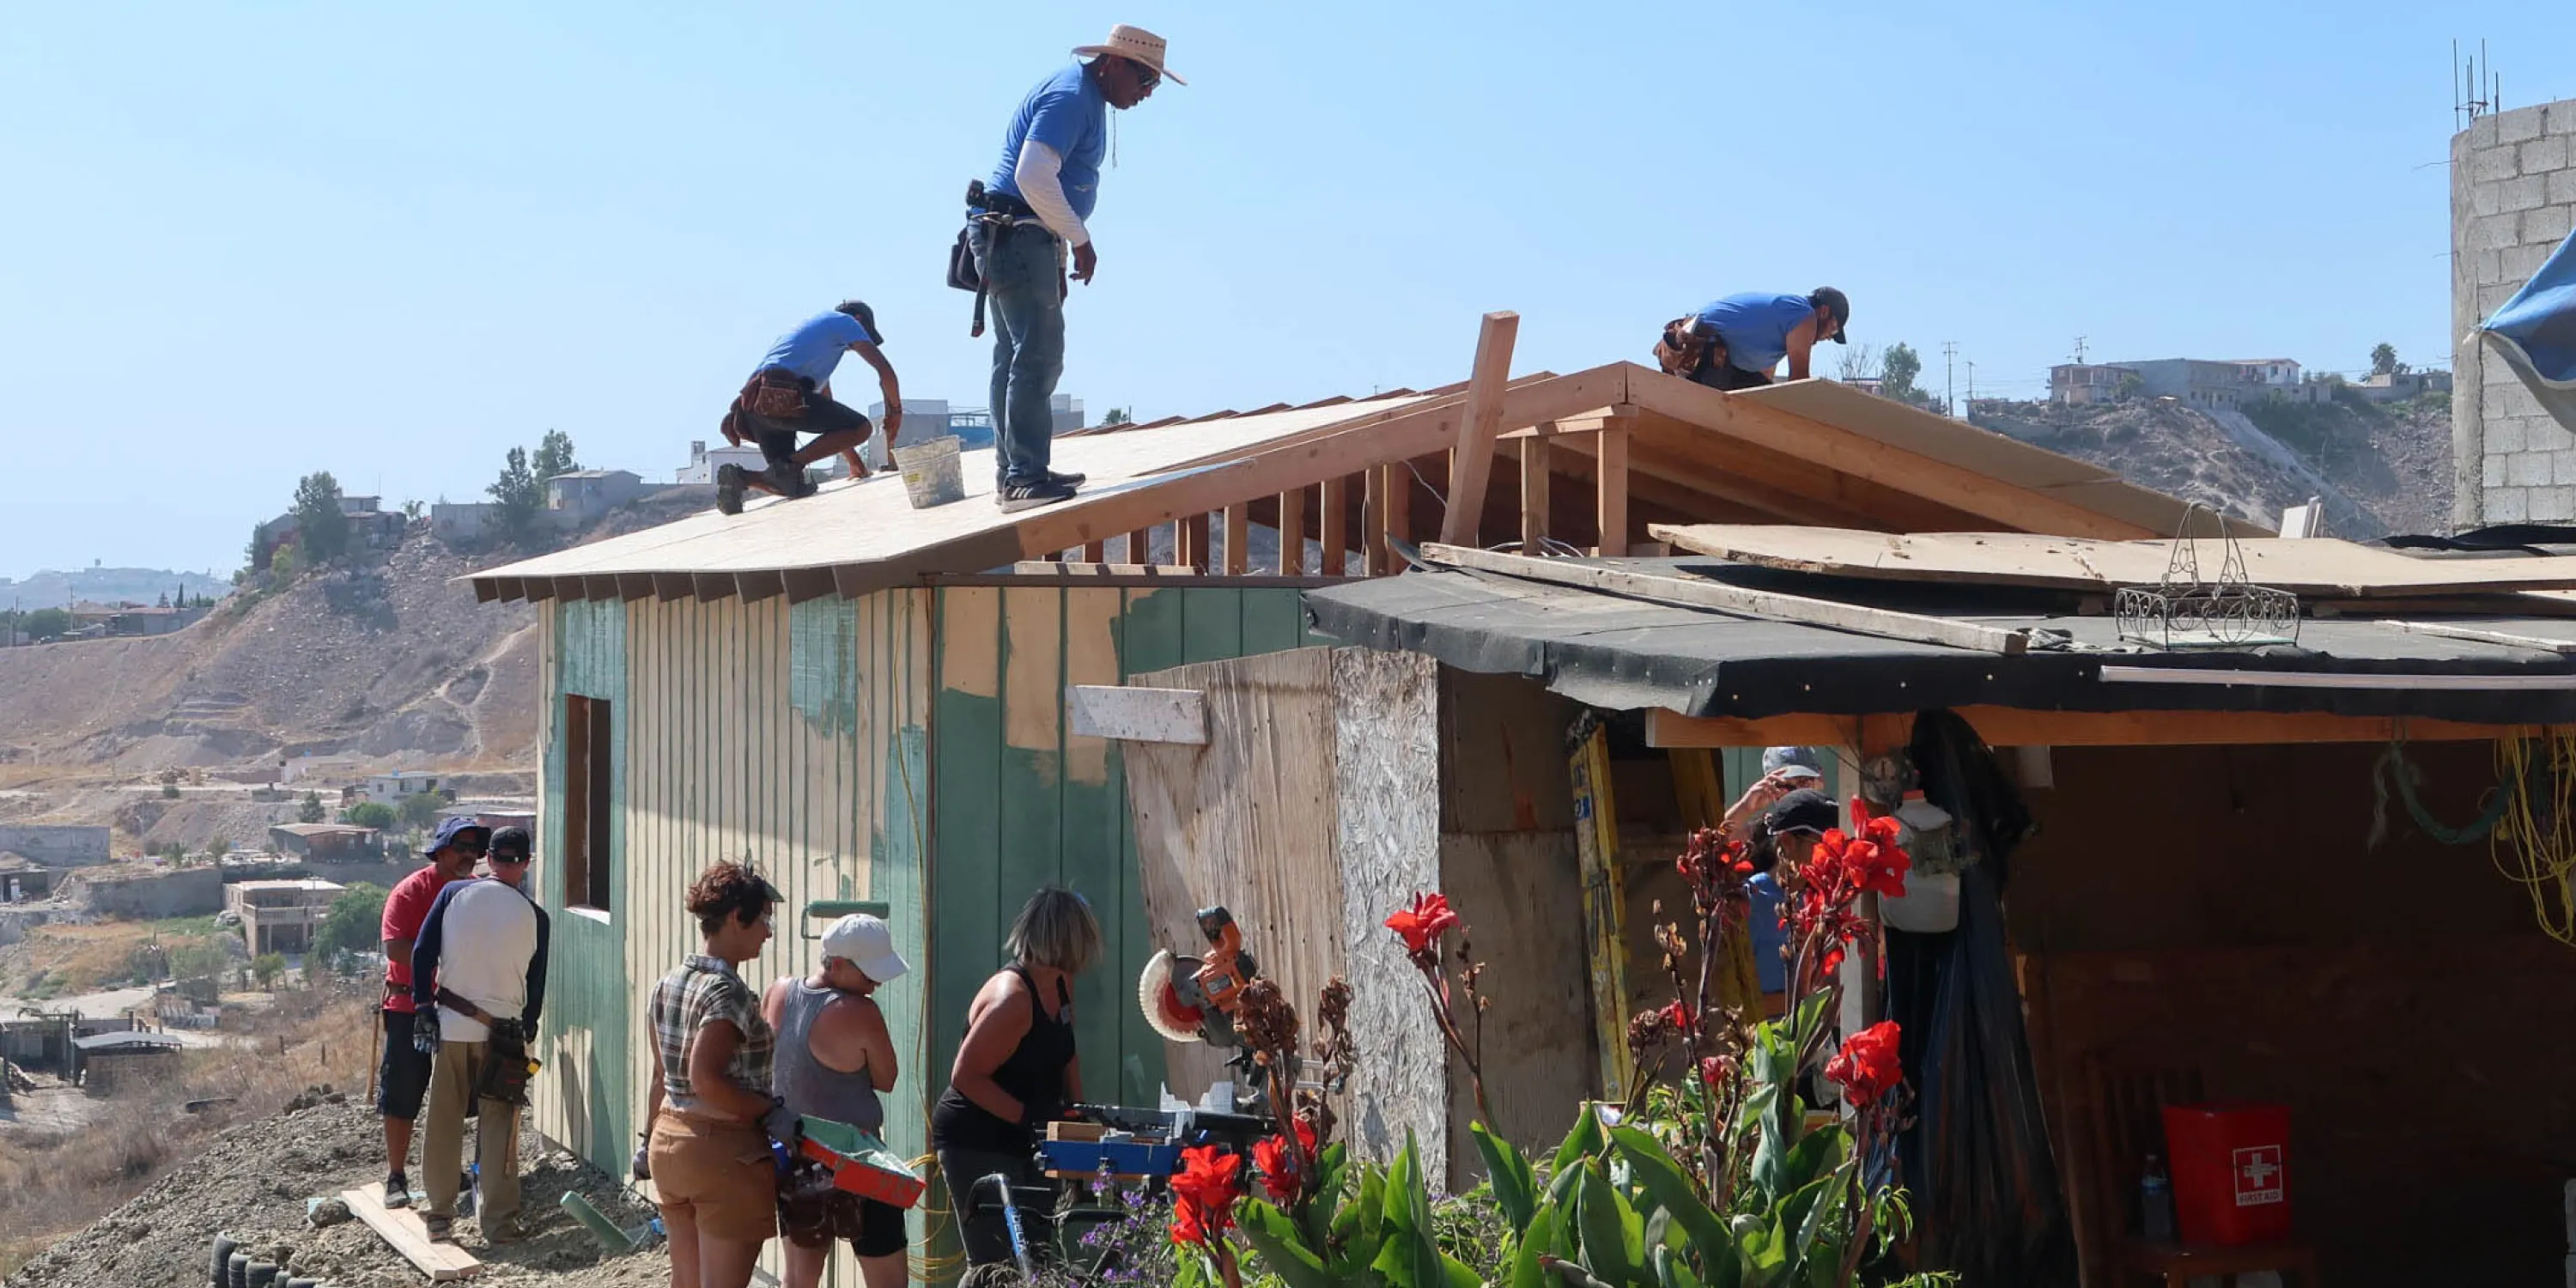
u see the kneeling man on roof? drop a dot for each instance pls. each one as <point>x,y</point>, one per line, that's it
<point>791,394</point>
<point>1734,343</point>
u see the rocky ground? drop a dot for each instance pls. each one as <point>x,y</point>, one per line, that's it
<point>252,1184</point>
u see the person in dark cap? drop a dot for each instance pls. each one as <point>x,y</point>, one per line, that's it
<point>1737,341</point>
<point>791,394</point>
<point>402,1073</point>
<point>1787,831</point>
<point>479,966</point>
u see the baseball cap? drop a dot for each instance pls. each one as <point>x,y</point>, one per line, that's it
<point>1804,810</point>
<point>1803,762</point>
<point>1838,304</point>
<point>867,317</point>
<point>864,942</point>
<point>512,843</point>
<point>452,827</point>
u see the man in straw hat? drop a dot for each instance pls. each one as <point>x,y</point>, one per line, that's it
<point>1030,212</point>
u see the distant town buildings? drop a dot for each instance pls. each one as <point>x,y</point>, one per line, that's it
<point>371,527</point>
<point>279,916</point>
<point>2223,384</point>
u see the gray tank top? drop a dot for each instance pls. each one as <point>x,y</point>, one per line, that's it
<point>807,1084</point>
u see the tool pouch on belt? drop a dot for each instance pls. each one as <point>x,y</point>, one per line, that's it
<point>506,1066</point>
<point>1684,347</point>
<point>776,394</point>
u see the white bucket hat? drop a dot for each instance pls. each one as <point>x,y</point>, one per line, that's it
<point>1134,44</point>
<point>864,942</point>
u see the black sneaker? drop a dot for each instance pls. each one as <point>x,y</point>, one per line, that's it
<point>790,480</point>
<point>397,1190</point>
<point>1068,480</point>
<point>729,485</point>
<point>1015,497</point>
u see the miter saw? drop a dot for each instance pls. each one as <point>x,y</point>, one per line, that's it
<point>1195,999</point>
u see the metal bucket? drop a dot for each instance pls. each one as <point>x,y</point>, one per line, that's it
<point>932,474</point>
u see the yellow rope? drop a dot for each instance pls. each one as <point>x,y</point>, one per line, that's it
<point>2534,843</point>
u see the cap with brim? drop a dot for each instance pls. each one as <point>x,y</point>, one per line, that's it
<point>512,843</point>
<point>1136,45</point>
<point>864,942</point>
<point>1841,306</point>
<point>1804,810</point>
<point>450,829</point>
<point>1799,762</point>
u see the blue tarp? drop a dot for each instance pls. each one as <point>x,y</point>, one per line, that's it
<point>2535,333</point>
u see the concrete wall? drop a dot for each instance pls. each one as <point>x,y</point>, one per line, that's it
<point>141,892</point>
<point>56,847</point>
<point>2513,194</point>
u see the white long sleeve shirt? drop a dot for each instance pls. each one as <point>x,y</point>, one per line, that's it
<point>1037,176</point>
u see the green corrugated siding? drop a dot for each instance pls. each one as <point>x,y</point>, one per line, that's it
<point>586,1010</point>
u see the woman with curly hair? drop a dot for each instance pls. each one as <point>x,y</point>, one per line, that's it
<point>713,1116</point>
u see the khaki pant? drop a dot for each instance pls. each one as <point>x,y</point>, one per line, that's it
<point>496,1136</point>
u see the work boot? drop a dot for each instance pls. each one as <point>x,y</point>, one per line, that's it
<point>1015,497</point>
<point>397,1190</point>
<point>503,1229</point>
<point>729,485</point>
<point>442,1229</point>
<point>789,478</point>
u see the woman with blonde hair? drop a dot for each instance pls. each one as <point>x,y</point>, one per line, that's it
<point>1017,1068</point>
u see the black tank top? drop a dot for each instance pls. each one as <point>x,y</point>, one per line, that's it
<point>1033,1075</point>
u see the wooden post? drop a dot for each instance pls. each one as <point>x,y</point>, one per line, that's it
<point>1333,524</point>
<point>1095,552</point>
<point>1190,539</point>
<point>1596,847</point>
<point>1238,539</point>
<point>1373,523</point>
<point>1399,506</point>
<point>1292,532</point>
<point>1140,547</point>
<point>1534,482</point>
<point>1610,490</point>
<point>1472,460</point>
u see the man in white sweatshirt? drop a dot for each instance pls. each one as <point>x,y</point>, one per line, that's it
<point>480,965</point>
<point>1033,210</point>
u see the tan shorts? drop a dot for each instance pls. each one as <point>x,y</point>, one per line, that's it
<point>716,1177</point>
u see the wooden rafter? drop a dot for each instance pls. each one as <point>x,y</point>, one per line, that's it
<point>1472,460</point>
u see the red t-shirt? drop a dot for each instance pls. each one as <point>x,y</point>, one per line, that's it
<point>405,909</point>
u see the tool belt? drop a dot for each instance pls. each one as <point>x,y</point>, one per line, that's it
<point>507,1067</point>
<point>999,212</point>
<point>772,393</point>
<point>1685,348</point>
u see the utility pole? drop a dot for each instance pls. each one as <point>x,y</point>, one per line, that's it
<point>1972,386</point>
<point>1949,379</point>
<point>2079,350</point>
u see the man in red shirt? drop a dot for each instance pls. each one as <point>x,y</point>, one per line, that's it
<point>402,1076</point>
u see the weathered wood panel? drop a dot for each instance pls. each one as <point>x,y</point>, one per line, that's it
<point>1517,891</point>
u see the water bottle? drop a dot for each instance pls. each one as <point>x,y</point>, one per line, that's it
<point>2155,1200</point>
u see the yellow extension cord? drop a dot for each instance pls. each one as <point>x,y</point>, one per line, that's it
<point>2536,854</point>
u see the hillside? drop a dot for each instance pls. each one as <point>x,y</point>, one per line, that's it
<point>2380,469</point>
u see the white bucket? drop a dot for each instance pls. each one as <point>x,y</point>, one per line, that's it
<point>1930,904</point>
<point>931,474</point>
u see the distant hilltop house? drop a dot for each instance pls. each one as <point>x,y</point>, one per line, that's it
<point>326,842</point>
<point>2397,386</point>
<point>573,499</point>
<point>371,527</point>
<point>389,789</point>
<point>279,916</point>
<point>131,619</point>
<point>2212,384</point>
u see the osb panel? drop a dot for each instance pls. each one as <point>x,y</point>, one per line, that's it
<point>1513,890</point>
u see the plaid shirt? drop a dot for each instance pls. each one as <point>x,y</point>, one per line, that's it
<point>701,992</point>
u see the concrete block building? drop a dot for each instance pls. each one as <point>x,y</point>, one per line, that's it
<point>2513,200</point>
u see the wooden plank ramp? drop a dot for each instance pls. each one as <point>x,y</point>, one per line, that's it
<point>402,1228</point>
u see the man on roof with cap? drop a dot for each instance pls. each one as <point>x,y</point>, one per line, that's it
<point>402,1072</point>
<point>479,965</point>
<point>833,1058</point>
<point>1735,342</point>
<point>1032,214</point>
<point>790,393</point>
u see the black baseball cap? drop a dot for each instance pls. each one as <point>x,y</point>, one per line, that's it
<point>1804,810</point>
<point>1825,297</point>
<point>512,844</point>
<point>867,316</point>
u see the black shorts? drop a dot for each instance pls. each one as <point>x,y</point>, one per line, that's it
<point>1720,375</point>
<point>811,1217</point>
<point>777,436</point>
<point>402,1074</point>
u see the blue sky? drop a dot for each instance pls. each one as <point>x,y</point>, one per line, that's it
<point>246,241</point>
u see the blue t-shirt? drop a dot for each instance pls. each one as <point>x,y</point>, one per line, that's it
<point>1067,113</point>
<point>1763,919</point>
<point>815,347</point>
<point>1756,327</point>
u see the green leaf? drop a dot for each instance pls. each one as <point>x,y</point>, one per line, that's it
<point>1674,1272</point>
<point>1614,1236</point>
<point>1810,1018</point>
<point>1283,1253</point>
<point>1515,1184</point>
<point>1660,1177</point>
<point>1460,1274</point>
<point>1540,1238</point>
<point>1410,1257</point>
<point>1815,1154</point>
<point>1764,1246</point>
<point>1581,1142</point>
<point>1790,1218</point>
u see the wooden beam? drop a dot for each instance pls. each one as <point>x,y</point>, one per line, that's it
<point>1136,714</point>
<point>1399,500</point>
<point>1333,526</point>
<point>1702,592</point>
<point>403,1231</point>
<point>808,583</point>
<point>1140,546</point>
<point>1605,937</point>
<point>634,585</point>
<point>2019,727</point>
<point>677,585</point>
<point>1238,539</point>
<point>1190,541</point>
<point>1373,523</point>
<point>1472,460</point>
<point>1610,490</point>
<point>1292,533</point>
<point>1533,495</point>
<point>1095,552</point>
<point>757,586</point>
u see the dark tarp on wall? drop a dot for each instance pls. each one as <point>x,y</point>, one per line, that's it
<point>1983,1178</point>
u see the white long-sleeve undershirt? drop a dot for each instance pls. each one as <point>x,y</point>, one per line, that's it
<point>1038,175</point>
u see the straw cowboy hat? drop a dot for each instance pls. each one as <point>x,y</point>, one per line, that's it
<point>1135,44</point>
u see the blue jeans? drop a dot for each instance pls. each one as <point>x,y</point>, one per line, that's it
<point>1026,293</point>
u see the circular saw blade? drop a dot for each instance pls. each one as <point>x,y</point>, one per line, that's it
<point>1164,1010</point>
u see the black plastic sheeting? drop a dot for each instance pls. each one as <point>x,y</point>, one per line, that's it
<point>1984,1182</point>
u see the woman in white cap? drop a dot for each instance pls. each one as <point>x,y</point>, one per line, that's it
<point>833,1059</point>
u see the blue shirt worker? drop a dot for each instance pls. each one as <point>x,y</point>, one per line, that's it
<point>790,393</point>
<point>1022,224</point>
<point>1736,342</point>
<point>479,968</point>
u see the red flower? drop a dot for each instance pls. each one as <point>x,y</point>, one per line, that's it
<point>1278,1165</point>
<point>1203,1194</point>
<point>1867,1068</point>
<point>1678,1014</point>
<point>1713,1070</point>
<point>1422,923</point>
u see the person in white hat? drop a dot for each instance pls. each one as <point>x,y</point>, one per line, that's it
<point>834,1057</point>
<point>1031,211</point>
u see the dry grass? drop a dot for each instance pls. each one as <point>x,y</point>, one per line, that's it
<point>53,1183</point>
<point>88,958</point>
